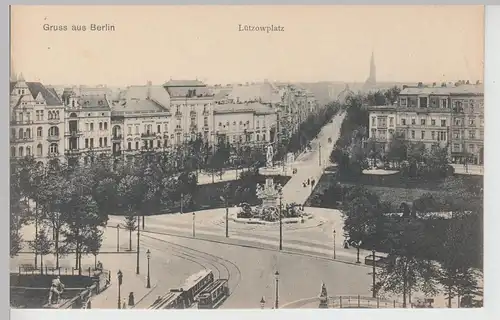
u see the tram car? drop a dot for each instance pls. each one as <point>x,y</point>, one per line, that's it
<point>213,295</point>
<point>184,296</point>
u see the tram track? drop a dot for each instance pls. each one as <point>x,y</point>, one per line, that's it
<point>207,259</point>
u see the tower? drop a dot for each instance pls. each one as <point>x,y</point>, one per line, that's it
<point>372,78</point>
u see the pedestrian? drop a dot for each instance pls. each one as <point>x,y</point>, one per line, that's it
<point>124,303</point>
<point>308,181</point>
<point>312,183</point>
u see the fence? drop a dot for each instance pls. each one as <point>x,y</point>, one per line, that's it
<point>26,269</point>
<point>361,302</point>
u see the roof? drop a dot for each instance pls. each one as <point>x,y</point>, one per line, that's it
<point>94,102</point>
<point>264,92</point>
<point>157,93</point>
<point>184,83</point>
<point>254,107</point>
<point>193,279</point>
<point>222,94</point>
<point>458,90</point>
<point>50,96</point>
<point>136,105</point>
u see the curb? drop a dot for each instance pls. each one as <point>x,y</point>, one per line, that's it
<point>145,296</point>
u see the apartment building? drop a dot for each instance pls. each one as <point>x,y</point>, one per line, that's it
<point>36,121</point>
<point>191,105</point>
<point>245,123</point>
<point>451,117</point>
<point>141,121</point>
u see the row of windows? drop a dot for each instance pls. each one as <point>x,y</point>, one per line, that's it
<point>89,142</point>
<point>435,135</point>
<point>53,149</point>
<point>89,126</point>
<point>26,134</point>
<point>423,122</point>
<point>472,122</point>
<point>457,147</point>
<point>472,134</point>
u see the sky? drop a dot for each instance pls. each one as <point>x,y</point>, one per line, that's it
<point>318,43</point>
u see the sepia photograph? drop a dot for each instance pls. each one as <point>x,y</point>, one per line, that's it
<point>246,157</point>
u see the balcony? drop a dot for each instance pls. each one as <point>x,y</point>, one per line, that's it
<point>73,134</point>
<point>116,137</point>
<point>21,122</point>
<point>206,128</point>
<point>192,114</point>
<point>178,114</point>
<point>178,129</point>
<point>21,140</point>
<point>148,135</point>
<point>53,138</point>
<point>72,152</point>
<point>53,121</point>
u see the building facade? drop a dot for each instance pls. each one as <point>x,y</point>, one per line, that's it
<point>450,117</point>
<point>36,121</point>
<point>88,125</point>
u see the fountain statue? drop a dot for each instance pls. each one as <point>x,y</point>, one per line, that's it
<point>269,156</point>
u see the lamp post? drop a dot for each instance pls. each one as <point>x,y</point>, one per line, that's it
<point>120,278</point>
<point>148,255</point>
<point>118,237</point>
<point>374,293</point>
<point>334,245</point>
<point>277,277</point>
<point>319,159</point>
<point>280,193</point>
<point>194,224</point>
<point>224,199</point>
<point>138,244</point>
<point>262,302</point>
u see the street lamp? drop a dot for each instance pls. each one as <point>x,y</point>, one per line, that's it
<point>334,249</point>
<point>227,214</point>
<point>277,277</point>
<point>138,244</point>
<point>319,154</point>
<point>374,293</point>
<point>280,193</point>
<point>148,255</point>
<point>120,278</point>
<point>262,302</point>
<point>118,237</point>
<point>194,224</point>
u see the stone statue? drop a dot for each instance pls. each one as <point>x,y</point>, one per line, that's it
<point>56,289</point>
<point>269,156</point>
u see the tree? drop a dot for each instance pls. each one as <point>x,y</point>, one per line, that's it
<point>392,95</point>
<point>16,213</point>
<point>41,244</point>
<point>404,271</point>
<point>130,225</point>
<point>398,149</point>
<point>219,157</point>
<point>93,244</point>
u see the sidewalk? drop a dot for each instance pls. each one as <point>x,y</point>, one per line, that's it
<point>471,169</point>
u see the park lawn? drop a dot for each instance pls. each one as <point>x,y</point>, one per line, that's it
<point>396,195</point>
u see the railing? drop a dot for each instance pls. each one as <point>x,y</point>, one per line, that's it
<point>21,122</point>
<point>148,135</point>
<point>54,121</point>
<point>361,302</point>
<point>53,138</point>
<point>17,139</point>
<point>73,134</point>
<point>116,137</point>
<point>178,114</point>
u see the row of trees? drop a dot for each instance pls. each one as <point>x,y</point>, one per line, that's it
<point>424,250</point>
<point>296,142</point>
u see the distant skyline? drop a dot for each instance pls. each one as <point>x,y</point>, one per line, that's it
<point>318,43</point>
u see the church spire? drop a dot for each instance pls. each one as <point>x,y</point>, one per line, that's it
<point>372,78</point>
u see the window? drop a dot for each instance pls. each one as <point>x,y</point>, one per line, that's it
<point>105,126</point>
<point>87,127</point>
<point>39,132</point>
<point>471,148</point>
<point>129,129</point>
<point>129,145</point>
<point>374,121</point>
<point>21,152</point>
<point>458,122</point>
<point>165,127</point>
<point>41,115</point>
<point>423,102</point>
<point>12,151</point>
<point>21,133</point>
<point>456,147</point>
<point>158,143</point>
<point>158,129</point>
<point>53,131</point>
<point>264,137</point>
<point>442,135</point>
<point>391,122</point>
<point>433,135</point>
<point>100,142</point>
<point>91,142</point>
<point>37,115</point>
<point>422,135</point>
<point>456,134</point>
<point>433,122</point>
<point>258,137</point>
<point>443,123</point>
<point>105,141</point>
<point>472,122</point>
<point>27,133</point>
<point>53,148</point>
<point>422,122</point>
<point>444,104</point>
<point>28,151</point>
<point>413,134</point>
<point>86,143</point>
<point>39,150</point>
<point>403,122</point>
<point>205,121</point>
<point>472,134</point>
<point>403,102</point>
<point>28,118</point>
<point>137,145</point>
<point>100,125</point>
<point>136,129</point>
<point>413,121</point>
<point>91,126</point>
<point>258,125</point>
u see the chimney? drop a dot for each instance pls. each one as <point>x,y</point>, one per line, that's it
<point>148,93</point>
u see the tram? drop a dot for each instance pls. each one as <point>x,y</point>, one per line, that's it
<point>213,295</point>
<point>184,296</point>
